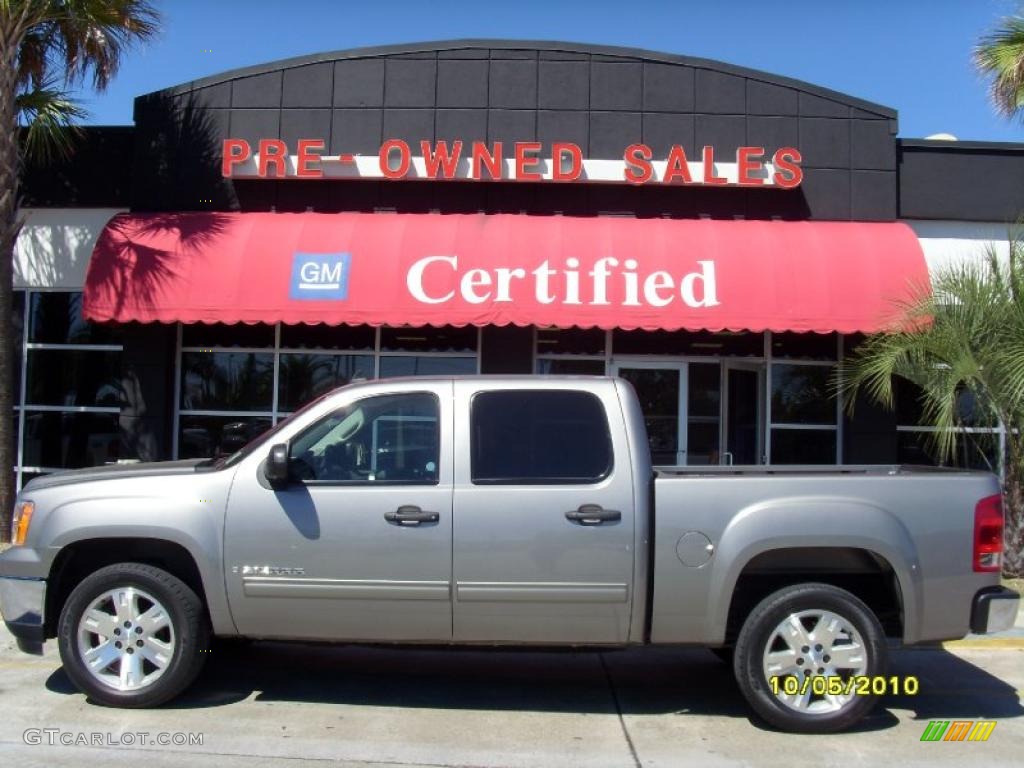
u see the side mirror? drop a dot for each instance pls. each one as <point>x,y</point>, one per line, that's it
<point>275,469</point>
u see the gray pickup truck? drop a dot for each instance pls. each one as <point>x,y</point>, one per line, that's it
<point>501,511</point>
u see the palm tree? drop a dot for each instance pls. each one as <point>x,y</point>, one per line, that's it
<point>962,345</point>
<point>1000,56</point>
<point>47,46</point>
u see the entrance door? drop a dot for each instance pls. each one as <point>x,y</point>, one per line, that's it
<point>661,388</point>
<point>742,422</point>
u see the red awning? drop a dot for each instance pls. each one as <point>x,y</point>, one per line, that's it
<point>440,269</point>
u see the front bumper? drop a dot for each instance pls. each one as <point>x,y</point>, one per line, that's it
<point>994,610</point>
<point>22,602</point>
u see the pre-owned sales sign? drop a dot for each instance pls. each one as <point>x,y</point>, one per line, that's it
<point>519,161</point>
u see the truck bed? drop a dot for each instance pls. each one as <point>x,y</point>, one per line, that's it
<point>669,471</point>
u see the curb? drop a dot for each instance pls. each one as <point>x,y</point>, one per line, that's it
<point>991,643</point>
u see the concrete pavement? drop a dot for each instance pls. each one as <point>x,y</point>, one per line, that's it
<point>273,704</point>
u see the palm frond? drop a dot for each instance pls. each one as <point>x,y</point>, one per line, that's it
<point>91,36</point>
<point>49,115</point>
<point>1000,56</point>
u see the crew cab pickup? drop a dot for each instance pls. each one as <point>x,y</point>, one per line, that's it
<point>502,511</point>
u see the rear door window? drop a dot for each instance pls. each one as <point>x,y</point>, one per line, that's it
<point>534,437</point>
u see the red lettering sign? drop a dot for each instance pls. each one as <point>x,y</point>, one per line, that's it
<point>447,160</point>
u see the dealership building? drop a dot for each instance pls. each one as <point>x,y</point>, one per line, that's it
<point>717,235</point>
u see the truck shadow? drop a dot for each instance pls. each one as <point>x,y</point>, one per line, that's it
<point>649,681</point>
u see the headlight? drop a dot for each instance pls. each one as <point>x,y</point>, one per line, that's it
<point>19,525</point>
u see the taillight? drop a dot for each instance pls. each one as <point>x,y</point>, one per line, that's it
<point>988,534</point>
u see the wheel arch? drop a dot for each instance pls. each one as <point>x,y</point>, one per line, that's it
<point>77,559</point>
<point>847,543</point>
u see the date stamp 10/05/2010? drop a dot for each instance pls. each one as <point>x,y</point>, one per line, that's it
<point>834,685</point>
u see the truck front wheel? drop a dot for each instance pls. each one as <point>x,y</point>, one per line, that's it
<point>801,653</point>
<point>132,635</point>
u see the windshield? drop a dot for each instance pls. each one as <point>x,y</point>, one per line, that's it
<point>264,437</point>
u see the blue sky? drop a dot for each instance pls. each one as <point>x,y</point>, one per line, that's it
<point>913,55</point>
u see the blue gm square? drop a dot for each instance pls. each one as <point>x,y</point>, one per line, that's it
<point>320,276</point>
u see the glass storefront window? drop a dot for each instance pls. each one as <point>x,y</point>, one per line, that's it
<point>704,401</point>
<point>693,343</point>
<point>974,450</point>
<point>18,331</point>
<point>202,437</point>
<point>340,337</point>
<point>55,317</point>
<point>571,341</point>
<point>569,365</point>
<point>429,339</point>
<point>217,381</point>
<point>801,395</point>
<point>415,365</point>
<point>805,346</point>
<point>54,440</point>
<point>301,377</point>
<point>208,335</point>
<point>86,378</point>
<point>231,388</point>
<point>803,446</point>
<point>73,390</point>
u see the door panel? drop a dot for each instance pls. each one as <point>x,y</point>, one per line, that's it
<point>340,553</point>
<point>525,570</point>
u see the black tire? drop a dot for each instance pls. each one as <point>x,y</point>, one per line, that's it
<point>757,631</point>
<point>187,618</point>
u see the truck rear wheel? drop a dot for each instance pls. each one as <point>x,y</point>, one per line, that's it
<point>799,653</point>
<point>132,635</point>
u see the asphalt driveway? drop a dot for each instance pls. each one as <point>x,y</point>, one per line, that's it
<point>273,704</point>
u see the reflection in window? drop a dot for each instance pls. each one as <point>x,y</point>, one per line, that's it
<point>429,339</point>
<point>84,378</point>
<point>426,366</point>
<point>71,440</point>
<point>387,439</point>
<point>571,341</point>
<point>803,446</point>
<point>567,365</point>
<point>341,337</point>
<point>202,437</point>
<point>704,396</point>
<point>18,331</point>
<point>302,377</point>
<point>55,317</point>
<point>974,450</point>
<point>227,381</point>
<point>85,382</point>
<point>220,379</point>
<point>800,395</point>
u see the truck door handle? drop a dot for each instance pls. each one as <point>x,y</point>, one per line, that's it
<point>593,514</point>
<point>410,515</point>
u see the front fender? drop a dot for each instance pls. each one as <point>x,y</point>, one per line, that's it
<point>194,525</point>
<point>814,522</point>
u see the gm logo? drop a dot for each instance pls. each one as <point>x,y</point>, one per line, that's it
<point>320,276</point>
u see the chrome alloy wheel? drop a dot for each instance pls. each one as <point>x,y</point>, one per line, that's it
<point>811,644</point>
<point>125,639</point>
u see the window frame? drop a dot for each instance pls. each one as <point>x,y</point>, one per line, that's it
<point>493,482</point>
<point>317,483</point>
<point>23,407</point>
<point>276,413</point>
